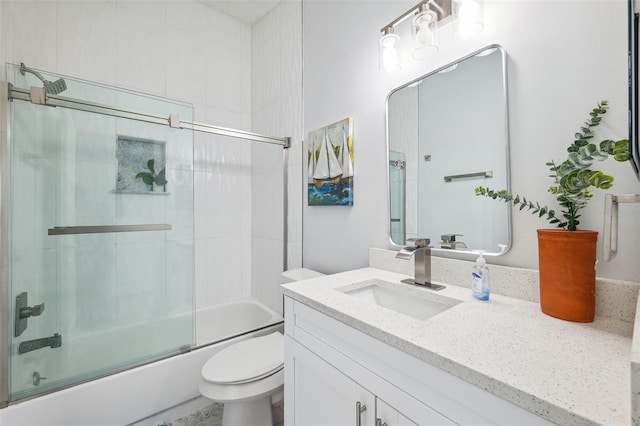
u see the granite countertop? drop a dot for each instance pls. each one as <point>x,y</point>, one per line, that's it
<point>565,372</point>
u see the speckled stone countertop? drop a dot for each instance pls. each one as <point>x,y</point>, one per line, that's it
<point>568,373</point>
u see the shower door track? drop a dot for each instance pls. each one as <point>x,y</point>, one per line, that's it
<point>37,95</point>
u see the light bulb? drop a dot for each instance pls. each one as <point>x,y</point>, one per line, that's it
<point>469,9</point>
<point>390,59</point>
<point>389,53</point>
<point>423,34</point>
<point>424,25</point>
<point>469,17</point>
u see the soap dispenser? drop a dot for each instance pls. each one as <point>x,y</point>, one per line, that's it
<point>480,279</point>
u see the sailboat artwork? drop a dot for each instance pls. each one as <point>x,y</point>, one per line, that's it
<point>330,158</point>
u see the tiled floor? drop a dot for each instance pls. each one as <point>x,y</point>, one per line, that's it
<point>211,415</point>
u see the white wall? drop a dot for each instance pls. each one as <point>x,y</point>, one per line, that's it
<point>563,57</point>
<point>276,101</point>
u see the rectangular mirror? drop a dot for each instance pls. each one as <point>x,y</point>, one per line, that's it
<point>447,133</point>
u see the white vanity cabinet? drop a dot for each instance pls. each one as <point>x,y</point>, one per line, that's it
<point>386,414</point>
<point>331,367</point>
<point>325,396</point>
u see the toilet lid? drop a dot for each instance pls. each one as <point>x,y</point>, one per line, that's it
<point>246,361</point>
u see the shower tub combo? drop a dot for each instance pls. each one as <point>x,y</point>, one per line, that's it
<point>136,393</point>
<point>97,240</point>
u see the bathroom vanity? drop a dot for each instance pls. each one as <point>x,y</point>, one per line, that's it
<point>358,352</point>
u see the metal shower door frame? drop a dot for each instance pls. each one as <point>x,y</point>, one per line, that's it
<point>37,95</point>
<point>5,176</point>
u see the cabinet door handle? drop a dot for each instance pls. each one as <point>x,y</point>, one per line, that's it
<point>379,422</point>
<point>360,408</point>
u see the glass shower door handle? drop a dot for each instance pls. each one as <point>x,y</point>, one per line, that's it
<point>77,230</point>
<point>23,311</point>
<point>31,311</point>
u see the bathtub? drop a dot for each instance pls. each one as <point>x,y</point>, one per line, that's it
<point>232,319</point>
<point>140,392</point>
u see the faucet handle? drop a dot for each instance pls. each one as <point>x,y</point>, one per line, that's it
<point>420,242</point>
<point>449,238</point>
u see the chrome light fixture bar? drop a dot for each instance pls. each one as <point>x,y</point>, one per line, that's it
<point>426,17</point>
<point>442,8</point>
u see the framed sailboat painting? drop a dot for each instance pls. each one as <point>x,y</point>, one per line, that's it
<point>330,159</point>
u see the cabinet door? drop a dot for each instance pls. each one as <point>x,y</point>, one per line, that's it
<point>386,414</point>
<point>323,395</point>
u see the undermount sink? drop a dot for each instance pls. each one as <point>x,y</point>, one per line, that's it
<point>413,305</point>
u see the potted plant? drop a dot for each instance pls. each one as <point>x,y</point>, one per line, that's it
<point>566,255</point>
<point>151,177</point>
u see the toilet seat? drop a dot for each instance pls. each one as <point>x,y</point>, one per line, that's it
<point>243,392</point>
<point>245,371</point>
<point>246,361</point>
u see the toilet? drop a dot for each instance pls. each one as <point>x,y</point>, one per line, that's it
<point>245,375</point>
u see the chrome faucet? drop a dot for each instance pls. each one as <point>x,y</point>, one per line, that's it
<point>421,252</point>
<point>449,242</point>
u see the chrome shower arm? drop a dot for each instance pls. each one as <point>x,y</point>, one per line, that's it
<point>24,69</point>
<point>50,87</point>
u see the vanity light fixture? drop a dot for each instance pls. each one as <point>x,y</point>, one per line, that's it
<point>388,50</point>
<point>468,17</point>
<point>423,30</point>
<point>426,17</point>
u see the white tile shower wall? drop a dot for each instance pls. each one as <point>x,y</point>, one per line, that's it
<point>29,34</point>
<point>178,49</point>
<point>276,110</point>
<point>81,36</point>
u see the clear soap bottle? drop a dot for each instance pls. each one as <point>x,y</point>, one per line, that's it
<point>480,279</point>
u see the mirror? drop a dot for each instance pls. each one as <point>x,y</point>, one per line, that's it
<point>447,133</point>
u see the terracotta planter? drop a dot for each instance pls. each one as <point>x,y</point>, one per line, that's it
<point>567,262</point>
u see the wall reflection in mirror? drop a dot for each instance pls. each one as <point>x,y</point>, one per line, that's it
<point>447,134</point>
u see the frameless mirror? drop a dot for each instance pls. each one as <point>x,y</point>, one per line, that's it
<point>447,133</point>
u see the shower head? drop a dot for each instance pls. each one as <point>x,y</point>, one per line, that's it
<point>55,87</point>
<point>50,87</point>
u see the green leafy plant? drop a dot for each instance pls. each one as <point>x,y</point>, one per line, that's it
<point>151,177</point>
<point>574,177</point>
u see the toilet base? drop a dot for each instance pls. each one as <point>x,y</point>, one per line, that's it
<point>249,413</point>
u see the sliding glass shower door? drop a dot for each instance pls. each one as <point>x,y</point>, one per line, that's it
<point>101,238</point>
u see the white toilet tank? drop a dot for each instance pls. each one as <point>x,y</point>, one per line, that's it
<point>298,274</point>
